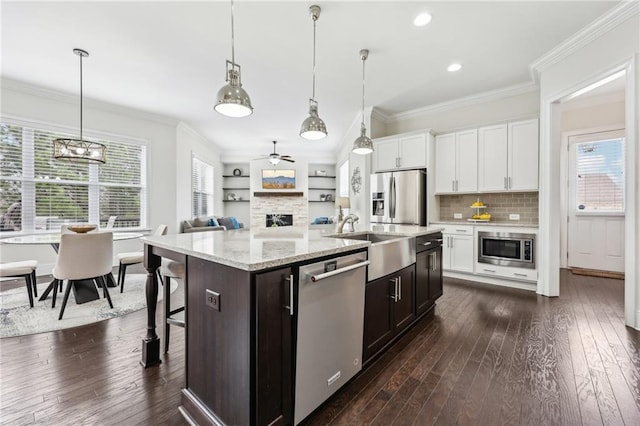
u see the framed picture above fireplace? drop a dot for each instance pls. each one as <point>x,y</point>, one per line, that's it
<point>278,179</point>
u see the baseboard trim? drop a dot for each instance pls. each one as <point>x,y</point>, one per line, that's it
<point>596,273</point>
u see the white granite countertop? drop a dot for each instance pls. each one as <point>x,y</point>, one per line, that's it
<point>258,249</point>
<point>512,224</point>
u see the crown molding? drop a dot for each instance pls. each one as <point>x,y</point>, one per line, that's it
<point>42,92</point>
<point>476,99</point>
<point>596,29</point>
<point>380,115</point>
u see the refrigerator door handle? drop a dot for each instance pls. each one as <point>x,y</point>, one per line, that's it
<point>392,210</point>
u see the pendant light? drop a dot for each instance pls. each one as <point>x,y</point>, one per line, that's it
<point>313,128</point>
<point>79,150</point>
<point>363,145</point>
<point>232,99</point>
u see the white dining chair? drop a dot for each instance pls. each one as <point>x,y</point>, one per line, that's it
<point>83,257</point>
<point>25,269</point>
<point>111,222</point>
<point>171,269</point>
<point>134,257</point>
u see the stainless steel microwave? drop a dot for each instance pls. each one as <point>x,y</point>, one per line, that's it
<point>507,249</point>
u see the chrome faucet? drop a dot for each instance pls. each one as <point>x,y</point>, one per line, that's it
<point>351,219</point>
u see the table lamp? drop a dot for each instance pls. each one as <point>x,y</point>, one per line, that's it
<point>342,202</point>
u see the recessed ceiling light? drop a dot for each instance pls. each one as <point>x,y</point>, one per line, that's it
<point>454,67</point>
<point>422,20</point>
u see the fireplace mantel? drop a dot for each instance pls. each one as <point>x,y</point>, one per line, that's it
<point>278,194</point>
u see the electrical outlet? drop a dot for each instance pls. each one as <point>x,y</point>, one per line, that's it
<point>457,215</point>
<point>514,216</point>
<point>213,300</point>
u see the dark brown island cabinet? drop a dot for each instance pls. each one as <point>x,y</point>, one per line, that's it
<point>241,331</point>
<point>397,300</point>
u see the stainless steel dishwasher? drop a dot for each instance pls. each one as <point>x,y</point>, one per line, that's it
<point>330,329</point>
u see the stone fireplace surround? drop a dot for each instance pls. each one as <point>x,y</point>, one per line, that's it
<point>297,207</point>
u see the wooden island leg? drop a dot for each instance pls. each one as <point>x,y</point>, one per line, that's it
<point>151,342</point>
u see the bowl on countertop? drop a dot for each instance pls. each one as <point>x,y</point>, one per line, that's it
<point>81,229</point>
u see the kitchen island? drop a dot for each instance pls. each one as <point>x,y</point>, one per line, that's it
<point>242,295</point>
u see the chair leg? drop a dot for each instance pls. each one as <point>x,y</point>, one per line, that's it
<point>54,293</point>
<point>34,282</point>
<point>167,309</point>
<point>65,299</point>
<point>124,274</point>
<point>27,278</point>
<point>106,291</point>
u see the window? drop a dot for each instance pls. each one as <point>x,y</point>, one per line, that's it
<point>39,193</point>
<point>201,188</point>
<point>343,190</point>
<point>599,172</point>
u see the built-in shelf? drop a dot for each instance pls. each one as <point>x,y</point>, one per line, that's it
<point>319,201</point>
<point>235,201</point>
<point>237,189</point>
<point>232,176</point>
<point>317,176</point>
<point>278,194</point>
<point>324,189</point>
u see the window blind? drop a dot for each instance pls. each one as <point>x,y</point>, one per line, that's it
<point>600,175</point>
<point>51,192</point>
<point>202,188</point>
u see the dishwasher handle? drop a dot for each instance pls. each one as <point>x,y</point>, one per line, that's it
<point>322,276</point>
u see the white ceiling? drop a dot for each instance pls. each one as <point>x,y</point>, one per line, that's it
<point>169,58</point>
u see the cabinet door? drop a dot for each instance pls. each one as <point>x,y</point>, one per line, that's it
<point>467,161</point>
<point>412,151</point>
<point>404,306</point>
<point>274,351</point>
<point>492,158</point>
<point>386,154</point>
<point>523,155</point>
<point>445,163</point>
<point>461,252</point>
<point>422,282</point>
<point>378,322</point>
<point>435,274</point>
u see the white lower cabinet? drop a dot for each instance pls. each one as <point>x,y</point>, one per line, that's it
<point>519,274</point>
<point>457,248</point>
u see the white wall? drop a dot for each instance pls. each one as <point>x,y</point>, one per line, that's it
<point>614,49</point>
<point>32,103</point>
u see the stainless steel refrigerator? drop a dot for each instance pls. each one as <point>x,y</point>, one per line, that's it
<point>399,197</point>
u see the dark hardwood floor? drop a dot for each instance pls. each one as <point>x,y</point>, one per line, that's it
<point>490,355</point>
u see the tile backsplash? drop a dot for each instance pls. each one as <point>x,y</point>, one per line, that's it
<point>499,205</point>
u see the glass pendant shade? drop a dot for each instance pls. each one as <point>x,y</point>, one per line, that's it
<point>363,145</point>
<point>274,160</point>
<point>313,128</point>
<point>79,150</point>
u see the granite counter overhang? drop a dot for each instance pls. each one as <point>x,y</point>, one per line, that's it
<point>255,250</point>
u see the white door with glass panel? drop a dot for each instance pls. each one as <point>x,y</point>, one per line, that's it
<point>596,201</point>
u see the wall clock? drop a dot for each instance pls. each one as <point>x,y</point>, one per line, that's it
<point>356,180</point>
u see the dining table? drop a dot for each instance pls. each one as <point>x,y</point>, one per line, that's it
<point>84,290</point>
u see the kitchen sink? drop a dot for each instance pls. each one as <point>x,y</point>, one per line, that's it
<point>387,253</point>
<point>368,236</point>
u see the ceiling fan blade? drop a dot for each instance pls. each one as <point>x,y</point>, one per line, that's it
<point>285,156</point>
<point>287,159</point>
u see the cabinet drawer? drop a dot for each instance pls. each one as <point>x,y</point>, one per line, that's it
<point>506,272</point>
<point>458,229</point>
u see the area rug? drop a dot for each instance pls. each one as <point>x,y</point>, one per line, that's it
<point>17,319</point>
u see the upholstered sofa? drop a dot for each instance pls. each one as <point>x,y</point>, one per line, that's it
<point>201,224</point>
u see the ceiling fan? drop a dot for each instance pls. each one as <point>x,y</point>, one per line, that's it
<point>274,158</point>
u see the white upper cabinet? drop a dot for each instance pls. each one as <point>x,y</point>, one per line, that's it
<point>508,157</point>
<point>456,162</point>
<point>523,155</point>
<point>400,152</point>
<point>492,158</point>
